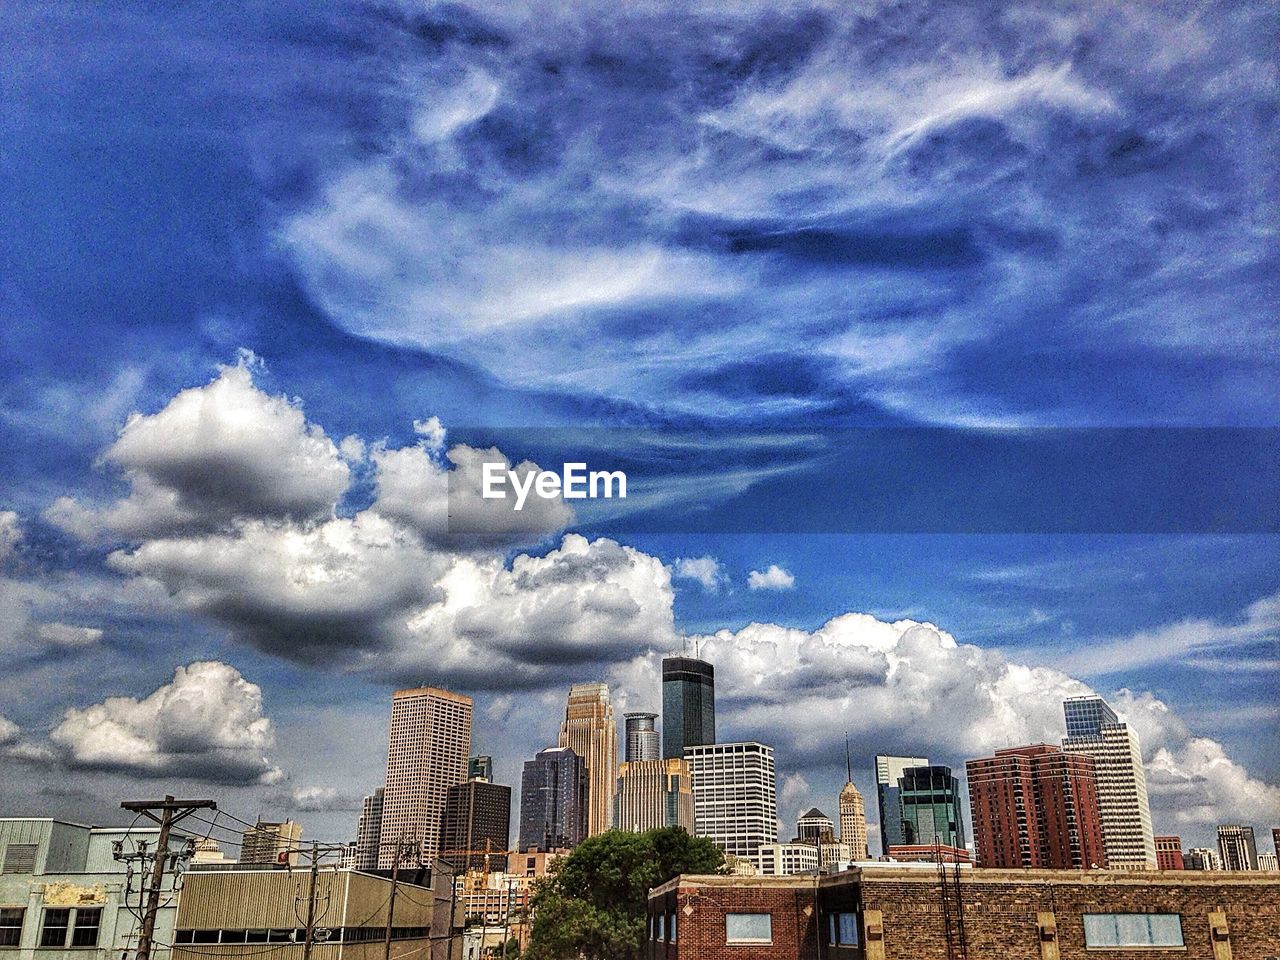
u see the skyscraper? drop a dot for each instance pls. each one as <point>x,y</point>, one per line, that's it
<point>1203,858</point>
<point>735,796</point>
<point>590,731</point>
<point>1275,840</point>
<point>369,831</point>
<point>427,754</point>
<point>642,737</point>
<point>271,842</point>
<point>931,809</point>
<point>480,768</point>
<point>815,827</point>
<point>1169,853</point>
<point>653,793</point>
<point>553,800</point>
<point>477,816</point>
<point>688,705</point>
<point>1093,729</point>
<point>853,813</point>
<point>1036,807</point>
<point>1237,847</point>
<point>888,771</point>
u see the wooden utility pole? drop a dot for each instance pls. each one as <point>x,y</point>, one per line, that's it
<point>166,813</point>
<point>309,932</point>
<point>391,903</point>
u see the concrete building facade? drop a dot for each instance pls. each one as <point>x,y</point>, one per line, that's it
<point>735,796</point>
<point>1237,847</point>
<point>1093,730</point>
<point>269,842</point>
<point>853,821</point>
<point>430,741</point>
<point>369,831</point>
<point>477,816</point>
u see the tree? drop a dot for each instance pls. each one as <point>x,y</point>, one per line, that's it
<point>594,903</point>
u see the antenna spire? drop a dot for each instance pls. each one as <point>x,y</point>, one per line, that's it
<point>848,763</point>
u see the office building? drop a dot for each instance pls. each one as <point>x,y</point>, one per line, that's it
<point>900,911</point>
<point>430,741</point>
<point>63,894</point>
<point>786,859</point>
<point>853,813</point>
<point>929,798</point>
<point>642,737</point>
<point>1169,853</point>
<point>268,842</point>
<point>480,768</point>
<point>929,853</point>
<point>688,705</point>
<point>735,796</point>
<point>1035,807</point>
<point>1268,862</point>
<point>369,831</point>
<point>1237,847</point>
<point>1275,840</point>
<point>1202,858</point>
<point>1093,730</point>
<point>255,912</point>
<point>553,801</point>
<point>477,821</point>
<point>888,771</point>
<point>652,794</point>
<point>589,731</point>
<point>815,827</point>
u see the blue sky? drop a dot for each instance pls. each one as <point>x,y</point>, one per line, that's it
<point>785,222</point>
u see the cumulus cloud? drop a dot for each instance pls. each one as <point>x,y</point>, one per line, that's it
<point>909,687</point>
<point>772,578</point>
<point>212,455</point>
<point>207,724</point>
<point>9,731</point>
<point>313,799</point>
<point>707,570</point>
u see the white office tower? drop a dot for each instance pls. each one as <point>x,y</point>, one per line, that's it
<point>787,859</point>
<point>1093,729</point>
<point>735,796</point>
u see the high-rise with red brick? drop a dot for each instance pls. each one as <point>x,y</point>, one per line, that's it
<point>1036,806</point>
<point>1169,853</point>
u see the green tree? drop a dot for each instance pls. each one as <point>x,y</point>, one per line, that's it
<point>594,903</point>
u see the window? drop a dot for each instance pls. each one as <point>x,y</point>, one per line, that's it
<point>661,921</point>
<point>748,928</point>
<point>844,929</point>
<point>1132,930</point>
<point>671,928</point>
<point>20,858</point>
<point>11,926</point>
<point>54,931</point>
<point>85,932</point>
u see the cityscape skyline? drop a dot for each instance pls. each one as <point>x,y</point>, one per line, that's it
<point>937,345</point>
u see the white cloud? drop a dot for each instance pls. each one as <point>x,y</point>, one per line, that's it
<point>773,578</point>
<point>708,571</point>
<point>313,799</point>
<point>68,635</point>
<point>9,731</point>
<point>206,724</point>
<point>215,453</point>
<point>10,533</point>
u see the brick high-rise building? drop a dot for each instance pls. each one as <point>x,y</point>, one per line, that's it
<point>1237,847</point>
<point>735,796</point>
<point>369,831</point>
<point>688,705</point>
<point>427,754</point>
<point>477,816</point>
<point>271,842</point>
<point>653,793</point>
<point>590,731</point>
<point>553,801</point>
<point>1035,806</point>
<point>1094,730</point>
<point>1169,853</point>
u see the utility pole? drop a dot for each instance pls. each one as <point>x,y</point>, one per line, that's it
<point>166,813</point>
<point>391,904</point>
<point>309,933</point>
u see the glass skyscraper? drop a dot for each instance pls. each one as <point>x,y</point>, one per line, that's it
<point>888,771</point>
<point>553,801</point>
<point>688,705</point>
<point>931,810</point>
<point>1087,715</point>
